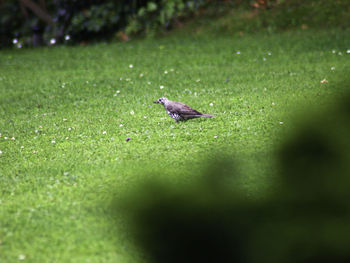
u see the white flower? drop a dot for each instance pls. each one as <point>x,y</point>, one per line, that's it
<point>281,122</point>
<point>15,41</point>
<point>333,51</point>
<point>67,37</point>
<point>13,139</point>
<point>118,91</point>
<point>22,147</point>
<point>145,117</point>
<point>132,112</point>
<point>198,80</point>
<point>148,82</point>
<point>238,52</point>
<point>121,79</point>
<point>166,72</point>
<point>211,104</point>
<point>53,141</point>
<point>215,136</point>
<point>269,53</point>
<point>131,66</point>
<point>6,138</point>
<point>348,51</point>
<point>141,75</point>
<point>104,132</point>
<point>332,68</point>
<point>21,257</point>
<point>52,41</point>
<point>273,104</point>
<point>121,125</point>
<point>127,79</point>
<point>69,129</point>
<point>35,152</point>
<point>264,59</point>
<point>339,53</point>
<point>161,87</point>
<point>115,95</point>
<point>0,152</point>
<point>64,119</point>
<point>171,69</point>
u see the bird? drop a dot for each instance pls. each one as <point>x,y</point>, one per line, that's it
<point>179,111</point>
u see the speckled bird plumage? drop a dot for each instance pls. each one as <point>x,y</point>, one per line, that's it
<point>179,111</point>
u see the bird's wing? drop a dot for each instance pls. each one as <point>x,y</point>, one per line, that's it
<point>183,109</point>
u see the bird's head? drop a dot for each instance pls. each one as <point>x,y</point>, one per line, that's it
<point>162,101</point>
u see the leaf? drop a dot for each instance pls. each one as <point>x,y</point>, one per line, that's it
<point>151,6</point>
<point>141,11</point>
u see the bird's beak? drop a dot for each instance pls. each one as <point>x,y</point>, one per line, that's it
<point>155,102</point>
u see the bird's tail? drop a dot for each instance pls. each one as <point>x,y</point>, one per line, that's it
<point>197,116</point>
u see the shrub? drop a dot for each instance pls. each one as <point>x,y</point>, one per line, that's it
<point>79,21</point>
<point>163,14</point>
<point>89,20</point>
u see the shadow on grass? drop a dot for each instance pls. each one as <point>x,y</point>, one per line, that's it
<point>306,220</point>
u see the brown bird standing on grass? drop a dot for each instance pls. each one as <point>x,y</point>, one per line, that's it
<point>179,111</point>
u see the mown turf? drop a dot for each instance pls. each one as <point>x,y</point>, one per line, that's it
<point>66,112</point>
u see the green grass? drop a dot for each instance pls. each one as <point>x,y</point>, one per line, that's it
<point>55,197</point>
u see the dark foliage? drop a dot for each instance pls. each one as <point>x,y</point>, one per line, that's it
<point>84,21</point>
<point>88,20</point>
<point>306,219</point>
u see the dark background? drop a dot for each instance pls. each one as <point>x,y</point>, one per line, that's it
<point>28,23</point>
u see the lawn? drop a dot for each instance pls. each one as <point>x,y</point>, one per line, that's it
<point>66,112</point>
